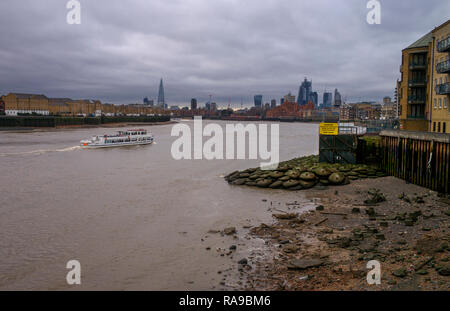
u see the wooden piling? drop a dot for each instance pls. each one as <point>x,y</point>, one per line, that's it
<point>406,155</point>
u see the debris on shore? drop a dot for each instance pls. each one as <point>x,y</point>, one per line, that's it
<point>328,248</point>
<point>304,173</point>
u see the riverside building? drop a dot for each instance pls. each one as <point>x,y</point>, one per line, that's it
<point>423,91</point>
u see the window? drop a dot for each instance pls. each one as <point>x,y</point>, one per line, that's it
<point>439,127</point>
<point>440,103</point>
<point>434,126</point>
<point>445,102</point>
<point>444,125</point>
<point>435,106</point>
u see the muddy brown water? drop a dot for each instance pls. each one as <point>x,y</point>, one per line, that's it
<point>133,216</point>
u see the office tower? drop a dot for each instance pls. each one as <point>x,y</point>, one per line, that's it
<point>273,103</point>
<point>337,98</point>
<point>258,100</point>
<point>193,103</point>
<point>161,100</point>
<point>327,100</point>
<point>315,99</point>
<point>304,92</point>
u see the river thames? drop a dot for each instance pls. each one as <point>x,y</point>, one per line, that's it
<point>133,217</point>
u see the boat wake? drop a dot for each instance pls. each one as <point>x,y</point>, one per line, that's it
<point>39,152</point>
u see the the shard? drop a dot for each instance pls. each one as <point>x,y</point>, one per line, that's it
<point>161,100</point>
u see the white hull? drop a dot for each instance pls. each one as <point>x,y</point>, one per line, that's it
<point>116,145</point>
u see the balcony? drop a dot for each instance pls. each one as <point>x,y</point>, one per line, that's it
<point>444,45</point>
<point>417,65</point>
<point>416,99</point>
<point>443,67</point>
<point>416,117</point>
<point>443,89</point>
<point>417,82</point>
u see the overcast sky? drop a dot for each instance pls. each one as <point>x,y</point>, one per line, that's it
<point>228,48</point>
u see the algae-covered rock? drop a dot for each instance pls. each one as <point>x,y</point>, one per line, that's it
<point>293,174</point>
<point>322,172</point>
<point>276,174</point>
<point>308,176</point>
<point>307,184</point>
<point>291,183</point>
<point>239,181</point>
<point>264,183</point>
<point>276,184</point>
<point>304,173</point>
<point>254,176</point>
<point>283,168</point>
<point>284,178</point>
<point>336,178</point>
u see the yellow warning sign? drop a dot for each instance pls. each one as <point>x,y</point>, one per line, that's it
<point>329,129</point>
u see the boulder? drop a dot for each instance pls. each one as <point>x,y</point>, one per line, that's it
<point>322,172</point>
<point>276,174</point>
<point>276,184</point>
<point>336,178</point>
<point>264,183</point>
<point>292,174</point>
<point>307,184</point>
<point>291,183</point>
<point>308,176</point>
<point>302,264</point>
<point>239,181</point>
<point>229,230</point>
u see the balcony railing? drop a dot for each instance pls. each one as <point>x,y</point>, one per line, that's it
<point>416,117</point>
<point>417,82</point>
<point>417,65</point>
<point>444,45</point>
<point>443,67</point>
<point>443,89</point>
<point>416,99</point>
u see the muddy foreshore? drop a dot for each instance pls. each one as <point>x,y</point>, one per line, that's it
<point>403,226</point>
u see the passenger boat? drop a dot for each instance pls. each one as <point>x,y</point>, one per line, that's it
<point>122,138</point>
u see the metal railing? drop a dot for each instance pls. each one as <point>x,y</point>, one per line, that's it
<point>417,65</point>
<point>442,89</point>
<point>414,82</point>
<point>444,45</point>
<point>416,99</point>
<point>416,117</point>
<point>443,67</point>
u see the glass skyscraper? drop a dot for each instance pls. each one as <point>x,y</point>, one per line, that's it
<point>304,92</point>
<point>327,99</point>
<point>161,100</point>
<point>258,100</point>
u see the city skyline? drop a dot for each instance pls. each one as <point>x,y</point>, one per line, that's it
<point>115,59</point>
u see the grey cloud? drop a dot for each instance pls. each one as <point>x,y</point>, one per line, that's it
<point>228,48</point>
